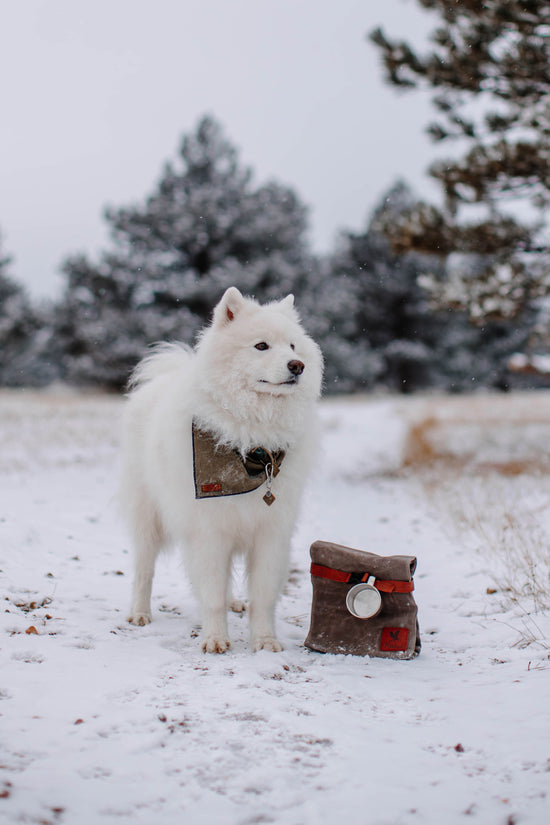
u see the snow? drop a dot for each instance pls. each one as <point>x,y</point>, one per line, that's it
<point>101,722</point>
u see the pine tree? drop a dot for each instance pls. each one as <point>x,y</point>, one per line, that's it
<point>385,319</point>
<point>329,313</point>
<point>204,227</point>
<point>388,332</point>
<point>18,325</point>
<point>489,66</point>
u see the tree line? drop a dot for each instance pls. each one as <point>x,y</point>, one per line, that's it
<point>425,296</point>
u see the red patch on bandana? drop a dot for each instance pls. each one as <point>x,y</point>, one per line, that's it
<point>211,488</point>
<point>394,638</point>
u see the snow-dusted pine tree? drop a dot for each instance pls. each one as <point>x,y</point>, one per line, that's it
<point>19,328</point>
<point>204,227</point>
<point>386,331</point>
<point>489,66</point>
<point>386,321</point>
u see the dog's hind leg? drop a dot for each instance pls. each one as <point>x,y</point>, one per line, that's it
<point>235,605</point>
<point>149,539</point>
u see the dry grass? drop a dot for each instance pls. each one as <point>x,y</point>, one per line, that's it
<point>456,437</point>
<point>485,462</point>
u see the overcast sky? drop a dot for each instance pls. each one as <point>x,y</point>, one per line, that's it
<point>95,97</point>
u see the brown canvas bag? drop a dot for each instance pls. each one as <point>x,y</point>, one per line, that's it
<point>363,603</point>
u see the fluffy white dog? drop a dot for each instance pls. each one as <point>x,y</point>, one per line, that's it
<point>218,442</point>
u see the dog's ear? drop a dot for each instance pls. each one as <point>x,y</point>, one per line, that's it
<point>230,305</point>
<point>287,303</point>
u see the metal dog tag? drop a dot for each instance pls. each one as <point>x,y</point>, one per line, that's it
<point>269,498</point>
<point>363,600</point>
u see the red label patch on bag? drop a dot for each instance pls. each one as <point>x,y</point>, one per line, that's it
<point>394,638</point>
<point>211,488</point>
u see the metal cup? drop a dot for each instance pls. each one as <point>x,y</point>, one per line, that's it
<point>363,600</point>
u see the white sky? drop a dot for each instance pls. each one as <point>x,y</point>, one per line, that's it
<point>95,97</point>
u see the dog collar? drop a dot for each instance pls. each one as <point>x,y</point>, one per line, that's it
<point>219,470</point>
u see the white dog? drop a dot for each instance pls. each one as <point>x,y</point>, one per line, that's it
<point>218,444</point>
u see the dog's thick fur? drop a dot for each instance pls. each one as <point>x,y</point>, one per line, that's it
<point>248,396</point>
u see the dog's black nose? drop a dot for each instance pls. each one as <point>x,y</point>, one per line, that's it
<point>296,367</point>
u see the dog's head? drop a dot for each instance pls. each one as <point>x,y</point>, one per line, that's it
<point>260,349</point>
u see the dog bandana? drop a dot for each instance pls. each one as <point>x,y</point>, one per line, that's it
<point>219,470</point>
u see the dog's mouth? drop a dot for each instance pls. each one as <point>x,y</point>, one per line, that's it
<point>288,383</point>
<point>277,387</point>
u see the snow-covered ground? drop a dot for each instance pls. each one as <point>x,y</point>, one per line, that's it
<point>101,722</point>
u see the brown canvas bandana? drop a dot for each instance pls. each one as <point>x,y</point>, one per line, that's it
<point>219,470</point>
<point>363,603</point>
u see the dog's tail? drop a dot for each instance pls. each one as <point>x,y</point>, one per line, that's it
<point>163,358</point>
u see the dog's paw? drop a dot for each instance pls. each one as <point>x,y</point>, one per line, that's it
<point>215,644</point>
<point>140,619</point>
<point>267,643</point>
<point>237,606</point>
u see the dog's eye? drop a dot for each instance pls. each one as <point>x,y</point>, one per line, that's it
<point>292,347</point>
<point>262,345</point>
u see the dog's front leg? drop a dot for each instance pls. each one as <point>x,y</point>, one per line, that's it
<point>267,568</point>
<point>209,570</point>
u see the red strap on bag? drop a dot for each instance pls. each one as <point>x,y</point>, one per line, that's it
<point>385,586</point>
